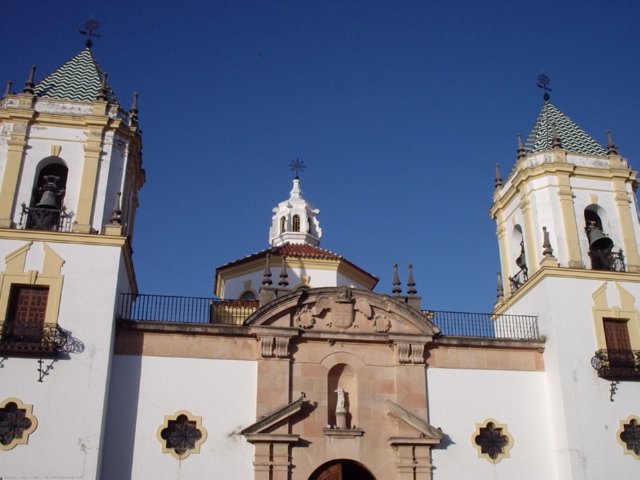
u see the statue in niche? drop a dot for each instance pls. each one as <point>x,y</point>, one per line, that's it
<point>341,410</point>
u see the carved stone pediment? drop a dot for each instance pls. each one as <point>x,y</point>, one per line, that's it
<point>343,310</point>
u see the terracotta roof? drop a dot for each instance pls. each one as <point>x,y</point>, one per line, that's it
<point>572,137</point>
<point>294,250</point>
<point>78,79</point>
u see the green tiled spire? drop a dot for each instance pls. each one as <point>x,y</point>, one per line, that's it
<point>78,79</point>
<point>572,137</point>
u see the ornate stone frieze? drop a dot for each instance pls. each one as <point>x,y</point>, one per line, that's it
<point>342,312</point>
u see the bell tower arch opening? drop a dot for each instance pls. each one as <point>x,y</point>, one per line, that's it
<point>342,469</point>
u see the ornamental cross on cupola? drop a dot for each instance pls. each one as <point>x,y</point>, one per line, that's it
<point>295,220</point>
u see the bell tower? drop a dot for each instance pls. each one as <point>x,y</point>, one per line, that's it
<point>568,202</point>
<point>71,153</point>
<point>568,231</point>
<point>70,172</point>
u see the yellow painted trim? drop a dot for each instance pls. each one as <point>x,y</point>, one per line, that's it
<point>629,241</point>
<point>24,440</point>
<point>505,432</point>
<point>16,147</point>
<point>627,451</point>
<point>60,237</point>
<point>174,417</point>
<point>625,311</point>
<point>570,222</point>
<point>525,175</point>
<point>559,272</point>
<point>530,246</point>
<point>49,276</point>
<point>257,265</point>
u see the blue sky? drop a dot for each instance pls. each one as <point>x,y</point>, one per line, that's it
<point>399,110</point>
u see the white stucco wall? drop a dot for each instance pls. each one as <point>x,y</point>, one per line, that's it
<point>584,419</point>
<point>459,399</point>
<point>69,402</point>
<point>144,389</point>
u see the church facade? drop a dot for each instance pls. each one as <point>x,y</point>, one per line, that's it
<point>298,368</point>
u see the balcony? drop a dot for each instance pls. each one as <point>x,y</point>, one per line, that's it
<point>200,310</point>
<point>617,364</point>
<point>485,325</point>
<point>31,339</point>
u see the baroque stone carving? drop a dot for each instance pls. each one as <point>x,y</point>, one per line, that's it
<point>341,311</point>
<point>411,353</point>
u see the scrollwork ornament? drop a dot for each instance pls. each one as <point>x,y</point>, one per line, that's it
<point>304,318</point>
<point>381,323</point>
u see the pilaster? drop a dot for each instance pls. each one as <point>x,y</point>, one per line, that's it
<point>569,222</point>
<point>629,240</point>
<point>86,202</point>
<point>15,156</point>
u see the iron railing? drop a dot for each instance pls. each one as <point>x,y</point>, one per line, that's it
<point>485,325</point>
<point>31,338</point>
<point>607,260</point>
<point>519,279</point>
<point>175,309</point>
<point>40,218</point>
<point>617,364</point>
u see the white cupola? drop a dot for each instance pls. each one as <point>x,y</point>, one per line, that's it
<point>295,220</point>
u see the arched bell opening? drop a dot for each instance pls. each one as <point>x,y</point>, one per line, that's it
<point>342,469</point>
<point>520,259</point>
<point>600,245</point>
<point>45,210</point>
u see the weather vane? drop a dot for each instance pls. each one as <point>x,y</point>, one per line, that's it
<point>297,166</point>
<point>543,83</point>
<point>90,27</point>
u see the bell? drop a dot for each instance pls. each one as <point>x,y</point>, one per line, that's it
<point>598,240</point>
<point>48,200</point>
<point>521,261</point>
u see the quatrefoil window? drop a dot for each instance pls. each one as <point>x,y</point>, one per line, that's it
<point>492,440</point>
<point>629,436</point>
<point>181,434</point>
<point>16,423</point>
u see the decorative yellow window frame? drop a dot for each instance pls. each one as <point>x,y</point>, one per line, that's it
<point>49,276</point>
<point>628,435</point>
<point>181,434</point>
<point>492,440</point>
<point>12,410</point>
<point>625,311</point>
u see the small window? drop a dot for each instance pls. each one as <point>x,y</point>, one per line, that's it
<point>296,223</point>
<point>283,223</point>
<point>629,436</point>
<point>16,423</point>
<point>492,440</point>
<point>248,295</point>
<point>181,434</point>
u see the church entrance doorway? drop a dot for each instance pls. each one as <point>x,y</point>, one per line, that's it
<point>341,470</point>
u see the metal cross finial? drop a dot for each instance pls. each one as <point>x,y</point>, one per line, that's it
<point>297,166</point>
<point>543,83</point>
<point>90,27</point>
